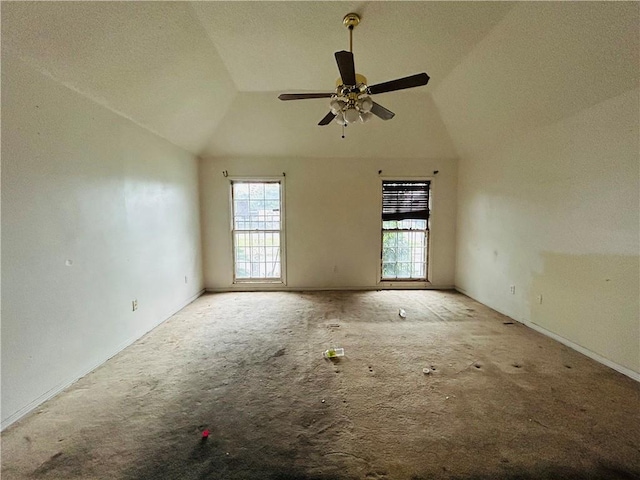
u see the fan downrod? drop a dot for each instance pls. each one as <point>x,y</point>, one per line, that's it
<point>350,21</point>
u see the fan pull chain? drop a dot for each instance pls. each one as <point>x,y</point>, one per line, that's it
<point>342,131</point>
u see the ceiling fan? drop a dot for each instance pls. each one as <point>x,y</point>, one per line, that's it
<point>351,99</point>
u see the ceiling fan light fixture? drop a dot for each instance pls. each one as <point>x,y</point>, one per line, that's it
<point>351,101</point>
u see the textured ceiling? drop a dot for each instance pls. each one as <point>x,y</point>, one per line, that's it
<point>274,46</point>
<point>258,124</point>
<point>150,61</point>
<point>546,61</point>
<point>205,75</point>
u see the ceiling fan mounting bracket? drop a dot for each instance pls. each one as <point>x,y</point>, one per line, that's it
<point>351,20</point>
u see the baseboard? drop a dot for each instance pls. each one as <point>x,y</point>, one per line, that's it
<point>578,348</point>
<point>462,291</point>
<point>598,358</point>
<point>281,288</point>
<point>63,386</point>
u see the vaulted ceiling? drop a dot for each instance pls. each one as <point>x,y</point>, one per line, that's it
<point>206,75</point>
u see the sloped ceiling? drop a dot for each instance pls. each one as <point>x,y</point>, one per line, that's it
<point>276,46</point>
<point>149,61</point>
<point>272,47</point>
<point>546,61</point>
<point>206,75</point>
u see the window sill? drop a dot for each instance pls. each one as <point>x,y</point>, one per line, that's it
<point>258,282</point>
<point>404,283</point>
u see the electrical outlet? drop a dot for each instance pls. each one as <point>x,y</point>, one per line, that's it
<point>185,279</point>
<point>134,305</point>
<point>512,289</point>
<point>539,299</point>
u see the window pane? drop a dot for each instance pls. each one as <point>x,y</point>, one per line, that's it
<point>242,270</point>
<point>272,191</point>
<point>389,254</point>
<point>404,254</point>
<point>241,191</point>
<point>390,224</point>
<point>256,190</point>
<point>255,270</point>
<point>256,207</point>
<point>389,239</point>
<point>420,224</point>
<point>241,254</point>
<point>404,270</point>
<point>389,270</point>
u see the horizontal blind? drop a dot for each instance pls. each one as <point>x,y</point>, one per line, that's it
<point>404,200</point>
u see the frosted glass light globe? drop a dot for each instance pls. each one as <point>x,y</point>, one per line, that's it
<point>366,104</point>
<point>351,115</point>
<point>340,119</point>
<point>365,116</point>
<point>336,106</point>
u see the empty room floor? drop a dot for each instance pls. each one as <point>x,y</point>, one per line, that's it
<point>500,401</point>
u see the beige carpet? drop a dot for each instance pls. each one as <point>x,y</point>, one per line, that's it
<point>500,402</point>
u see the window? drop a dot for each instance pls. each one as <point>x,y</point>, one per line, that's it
<point>257,247</point>
<point>405,230</point>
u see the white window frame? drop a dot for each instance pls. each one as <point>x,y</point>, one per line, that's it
<point>283,262</point>
<point>408,282</point>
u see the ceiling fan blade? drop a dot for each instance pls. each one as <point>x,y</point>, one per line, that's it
<point>302,96</point>
<point>346,66</point>
<point>400,84</point>
<point>379,111</point>
<point>327,119</point>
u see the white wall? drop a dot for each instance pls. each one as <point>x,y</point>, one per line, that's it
<point>546,125</point>
<point>96,212</point>
<point>332,217</point>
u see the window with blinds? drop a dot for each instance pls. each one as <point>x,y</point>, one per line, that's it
<point>405,230</point>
